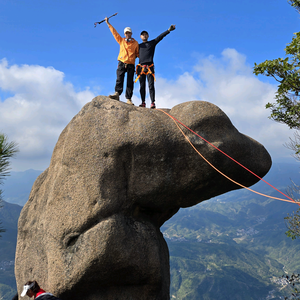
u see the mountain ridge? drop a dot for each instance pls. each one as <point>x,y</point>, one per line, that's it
<point>231,246</point>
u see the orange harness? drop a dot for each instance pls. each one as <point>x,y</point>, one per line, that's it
<point>145,71</point>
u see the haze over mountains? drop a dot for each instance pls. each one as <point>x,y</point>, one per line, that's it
<point>230,247</point>
<point>17,186</point>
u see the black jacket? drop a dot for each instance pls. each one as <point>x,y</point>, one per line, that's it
<point>46,296</point>
<point>15,297</point>
<point>146,49</point>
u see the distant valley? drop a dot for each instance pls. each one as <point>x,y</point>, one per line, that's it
<point>230,247</point>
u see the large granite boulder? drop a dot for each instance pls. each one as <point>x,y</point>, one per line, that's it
<point>91,227</point>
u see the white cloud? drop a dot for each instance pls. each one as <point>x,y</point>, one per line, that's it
<point>42,103</point>
<point>41,106</point>
<point>229,83</point>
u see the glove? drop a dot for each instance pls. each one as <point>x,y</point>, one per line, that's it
<point>171,28</point>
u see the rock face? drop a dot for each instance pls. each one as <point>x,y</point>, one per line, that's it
<point>91,227</point>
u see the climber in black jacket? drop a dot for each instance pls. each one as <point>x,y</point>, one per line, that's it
<point>146,65</point>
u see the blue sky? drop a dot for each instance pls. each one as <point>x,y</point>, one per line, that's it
<point>53,61</point>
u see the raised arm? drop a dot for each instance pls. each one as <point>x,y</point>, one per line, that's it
<point>114,31</point>
<point>161,36</point>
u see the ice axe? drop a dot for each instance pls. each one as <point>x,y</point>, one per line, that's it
<point>104,20</point>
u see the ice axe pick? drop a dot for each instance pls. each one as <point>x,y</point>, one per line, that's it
<point>104,20</point>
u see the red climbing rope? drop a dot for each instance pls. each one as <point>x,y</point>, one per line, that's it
<point>177,121</point>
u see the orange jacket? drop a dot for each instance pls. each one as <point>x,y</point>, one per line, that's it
<point>129,51</point>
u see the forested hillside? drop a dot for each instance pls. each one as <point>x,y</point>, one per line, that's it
<point>230,247</point>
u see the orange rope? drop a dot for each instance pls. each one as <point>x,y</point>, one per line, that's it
<point>176,121</point>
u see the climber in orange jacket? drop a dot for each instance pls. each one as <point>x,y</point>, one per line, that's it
<point>129,51</point>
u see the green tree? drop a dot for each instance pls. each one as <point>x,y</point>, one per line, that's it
<point>295,3</point>
<point>294,281</point>
<point>293,220</point>
<point>286,71</point>
<point>7,151</point>
<point>286,109</point>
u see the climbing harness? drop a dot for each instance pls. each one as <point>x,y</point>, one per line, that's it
<point>178,122</point>
<point>95,24</point>
<point>145,71</point>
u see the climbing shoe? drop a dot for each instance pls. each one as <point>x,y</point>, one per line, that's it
<point>152,105</point>
<point>143,104</point>
<point>129,102</point>
<point>115,96</point>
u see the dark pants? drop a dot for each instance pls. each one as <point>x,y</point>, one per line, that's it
<point>122,69</point>
<point>150,84</point>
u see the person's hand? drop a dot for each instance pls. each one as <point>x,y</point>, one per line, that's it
<point>171,28</point>
<point>106,20</point>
